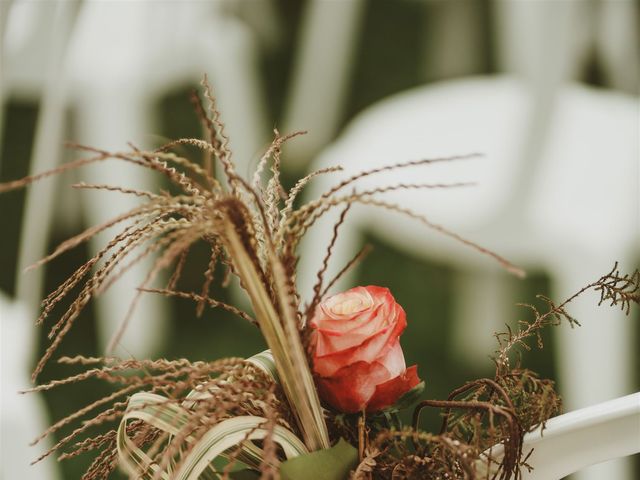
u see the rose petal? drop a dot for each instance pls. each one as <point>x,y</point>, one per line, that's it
<point>325,319</point>
<point>387,393</point>
<point>348,304</point>
<point>394,360</point>
<point>378,318</point>
<point>343,306</point>
<point>351,388</point>
<point>343,326</point>
<point>331,342</point>
<point>394,316</point>
<point>369,351</point>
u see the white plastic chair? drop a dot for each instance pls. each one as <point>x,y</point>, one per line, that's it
<point>112,61</point>
<point>585,186</point>
<point>542,41</point>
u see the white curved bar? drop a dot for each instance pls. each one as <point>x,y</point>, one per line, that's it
<point>584,437</point>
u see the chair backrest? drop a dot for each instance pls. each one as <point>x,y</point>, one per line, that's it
<point>546,43</point>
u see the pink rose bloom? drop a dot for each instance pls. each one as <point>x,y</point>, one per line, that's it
<point>357,358</point>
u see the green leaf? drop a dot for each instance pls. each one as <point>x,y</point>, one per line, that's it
<point>408,399</point>
<point>334,463</point>
<point>391,419</point>
<point>244,475</point>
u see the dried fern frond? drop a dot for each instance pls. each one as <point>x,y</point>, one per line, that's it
<point>618,290</point>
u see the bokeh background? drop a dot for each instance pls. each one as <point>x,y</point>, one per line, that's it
<point>549,87</point>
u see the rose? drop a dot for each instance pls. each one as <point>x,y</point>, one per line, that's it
<point>357,358</point>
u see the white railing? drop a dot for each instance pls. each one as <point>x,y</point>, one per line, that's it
<point>581,438</point>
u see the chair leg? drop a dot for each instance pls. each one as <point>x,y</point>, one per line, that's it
<point>618,41</point>
<point>321,72</point>
<point>5,8</point>
<point>108,118</point>
<point>234,69</point>
<point>482,305</point>
<point>39,204</point>
<point>23,417</point>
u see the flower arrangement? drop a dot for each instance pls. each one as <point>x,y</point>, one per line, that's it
<point>324,398</point>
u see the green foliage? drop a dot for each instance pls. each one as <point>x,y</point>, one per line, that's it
<point>333,463</point>
<point>408,399</point>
